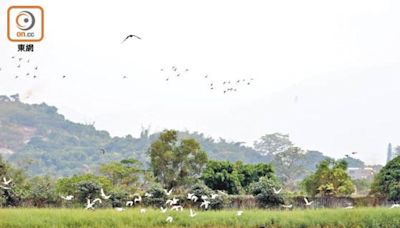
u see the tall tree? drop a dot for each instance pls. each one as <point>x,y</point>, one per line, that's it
<point>290,165</point>
<point>273,143</point>
<point>387,181</point>
<point>174,162</point>
<point>124,173</point>
<point>330,178</point>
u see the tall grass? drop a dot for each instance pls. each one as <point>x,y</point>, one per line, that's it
<point>362,217</point>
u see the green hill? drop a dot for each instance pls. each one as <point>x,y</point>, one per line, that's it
<point>38,138</point>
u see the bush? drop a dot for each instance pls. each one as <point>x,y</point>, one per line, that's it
<point>159,197</point>
<point>201,189</point>
<point>264,193</point>
<point>118,198</point>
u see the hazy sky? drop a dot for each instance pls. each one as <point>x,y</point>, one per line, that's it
<point>326,72</point>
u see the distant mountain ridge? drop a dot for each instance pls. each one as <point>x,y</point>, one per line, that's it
<point>38,138</point>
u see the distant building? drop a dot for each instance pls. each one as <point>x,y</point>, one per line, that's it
<point>362,173</point>
<point>389,153</point>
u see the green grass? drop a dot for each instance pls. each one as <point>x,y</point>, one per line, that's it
<point>362,217</point>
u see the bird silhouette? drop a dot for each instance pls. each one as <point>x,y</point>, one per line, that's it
<point>130,36</point>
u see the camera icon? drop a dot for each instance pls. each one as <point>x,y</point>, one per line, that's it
<point>25,23</point>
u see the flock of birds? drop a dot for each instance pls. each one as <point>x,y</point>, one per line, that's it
<point>24,67</point>
<point>228,86</point>
<point>171,204</point>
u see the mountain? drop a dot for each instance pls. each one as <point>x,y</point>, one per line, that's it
<point>36,137</point>
<point>40,139</point>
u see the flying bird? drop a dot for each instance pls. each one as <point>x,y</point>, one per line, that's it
<point>103,195</point>
<point>163,210</point>
<point>90,205</point>
<point>137,199</point>
<point>287,206</point>
<point>172,202</point>
<point>169,219</point>
<point>129,203</point>
<point>194,198</point>
<point>143,210</point>
<point>308,203</point>
<point>214,196</point>
<point>5,188</point>
<point>67,198</point>
<point>277,191</point>
<point>6,182</point>
<point>192,213</point>
<point>205,203</point>
<point>189,196</point>
<point>131,36</point>
<point>168,192</point>
<point>148,195</point>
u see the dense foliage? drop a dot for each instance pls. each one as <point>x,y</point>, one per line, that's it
<point>176,163</point>
<point>329,179</point>
<point>387,181</point>
<point>234,178</point>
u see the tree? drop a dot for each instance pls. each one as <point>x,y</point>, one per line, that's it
<point>263,191</point>
<point>330,178</point>
<point>387,181</point>
<point>273,143</point>
<point>42,191</point>
<point>234,177</point>
<point>124,173</point>
<point>174,162</point>
<point>290,165</point>
<point>222,175</point>
<point>82,186</point>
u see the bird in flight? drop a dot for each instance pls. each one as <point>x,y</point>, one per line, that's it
<point>131,36</point>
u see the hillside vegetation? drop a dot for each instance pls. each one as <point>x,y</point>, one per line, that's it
<point>36,137</point>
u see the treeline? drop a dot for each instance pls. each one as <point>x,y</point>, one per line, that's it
<point>183,166</point>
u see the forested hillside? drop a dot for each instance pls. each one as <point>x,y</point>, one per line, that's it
<point>38,138</point>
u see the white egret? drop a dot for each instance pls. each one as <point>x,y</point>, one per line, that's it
<point>192,213</point>
<point>308,203</point>
<point>205,203</point>
<point>129,203</point>
<point>68,198</point>
<point>277,191</point>
<point>163,210</point>
<point>103,195</point>
<point>169,219</point>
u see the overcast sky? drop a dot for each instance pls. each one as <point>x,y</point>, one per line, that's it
<point>325,72</point>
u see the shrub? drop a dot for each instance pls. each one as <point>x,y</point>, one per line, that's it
<point>264,193</point>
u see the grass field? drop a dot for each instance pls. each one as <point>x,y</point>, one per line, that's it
<point>363,217</point>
